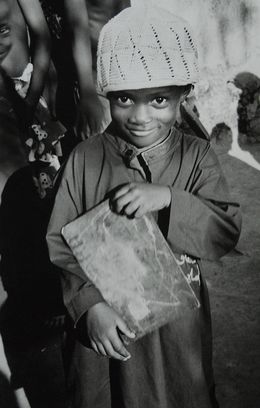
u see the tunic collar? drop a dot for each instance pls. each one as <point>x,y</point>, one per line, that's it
<point>129,152</point>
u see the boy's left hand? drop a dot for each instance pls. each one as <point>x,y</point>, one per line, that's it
<point>137,199</point>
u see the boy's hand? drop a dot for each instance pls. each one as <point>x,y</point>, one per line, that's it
<point>137,199</point>
<point>103,324</point>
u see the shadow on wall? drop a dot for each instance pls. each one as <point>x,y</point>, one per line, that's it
<point>248,107</point>
<point>221,102</point>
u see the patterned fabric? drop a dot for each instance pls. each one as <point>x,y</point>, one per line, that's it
<point>43,146</point>
<point>144,47</point>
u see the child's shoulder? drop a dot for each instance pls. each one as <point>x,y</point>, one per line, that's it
<point>197,151</point>
<point>194,145</point>
<point>89,151</point>
<point>192,141</point>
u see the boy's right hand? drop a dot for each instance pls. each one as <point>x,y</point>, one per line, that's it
<point>103,325</point>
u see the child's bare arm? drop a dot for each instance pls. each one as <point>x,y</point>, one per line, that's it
<point>137,199</point>
<point>91,108</point>
<point>77,15</point>
<point>104,326</point>
<point>40,46</point>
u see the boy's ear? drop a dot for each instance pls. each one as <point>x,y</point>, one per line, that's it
<point>182,98</point>
<point>186,92</point>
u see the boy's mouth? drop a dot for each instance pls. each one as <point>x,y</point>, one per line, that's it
<point>140,132</point>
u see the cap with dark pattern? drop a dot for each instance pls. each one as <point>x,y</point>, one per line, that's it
<point>146,47</point>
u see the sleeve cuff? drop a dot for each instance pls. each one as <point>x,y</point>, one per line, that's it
<point>85,298</point>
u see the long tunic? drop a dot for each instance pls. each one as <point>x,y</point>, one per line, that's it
<point>171,367</point>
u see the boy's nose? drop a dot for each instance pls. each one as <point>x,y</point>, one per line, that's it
<point>140,115</point>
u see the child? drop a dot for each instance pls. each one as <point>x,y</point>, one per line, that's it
<point>147,62</point>
<point>74,26</point>
<point>68,24</point>
<point>42,131</point>
<point>26,18</point>
<point>32,317</point>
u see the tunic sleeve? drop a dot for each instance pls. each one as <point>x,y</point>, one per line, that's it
<point>79,293</point>
<point>203,222</point>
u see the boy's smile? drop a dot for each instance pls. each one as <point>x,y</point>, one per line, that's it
<point>145,116</point>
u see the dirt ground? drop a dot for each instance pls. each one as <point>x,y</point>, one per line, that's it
<point>234,285</point>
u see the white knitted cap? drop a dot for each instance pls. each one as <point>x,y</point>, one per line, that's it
<point>145,47</point>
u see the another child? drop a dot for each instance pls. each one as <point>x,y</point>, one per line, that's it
<point>30,44</point>
<point>75,26</point>
<point>32,317</point>
<point>68,24</point>
<point>42,131</point>
<point>147,63</point>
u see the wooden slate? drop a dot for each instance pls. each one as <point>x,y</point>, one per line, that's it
<point>131,264</point>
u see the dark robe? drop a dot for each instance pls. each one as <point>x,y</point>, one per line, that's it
<point>171,367</point>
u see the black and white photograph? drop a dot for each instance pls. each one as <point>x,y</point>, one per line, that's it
<point>129,204</point>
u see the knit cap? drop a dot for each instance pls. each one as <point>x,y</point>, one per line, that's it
<point>145,47</point>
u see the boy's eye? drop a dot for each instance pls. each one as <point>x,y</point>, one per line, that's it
<point>124,100</point>
<point>4,30</point>
<point>159,101</point>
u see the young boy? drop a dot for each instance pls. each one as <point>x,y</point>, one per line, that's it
<point>147,62</point>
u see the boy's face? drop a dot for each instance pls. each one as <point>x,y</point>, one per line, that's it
<point>145,116</point>
<point>5,31</point>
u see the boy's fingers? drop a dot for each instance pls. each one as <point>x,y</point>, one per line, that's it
<point>121,202</point>
<point>124,201</point>
<point>101,349</point>
<point>139,212</point>
<point>131,208</point>
<point>94,346</point>
<point>124,329</point>
<point>123,190</point>
<point>118,205</point>
<point>112,353</point>
<point>117,344</point>
<point>119,348</point>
